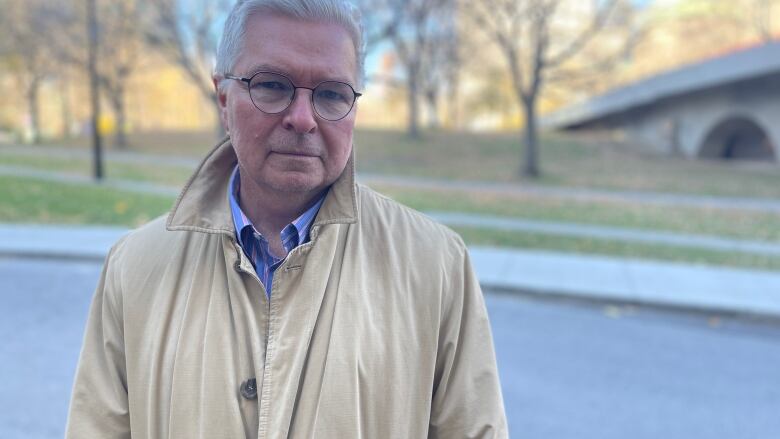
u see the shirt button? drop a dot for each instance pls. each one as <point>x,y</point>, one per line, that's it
<point>249,389</point>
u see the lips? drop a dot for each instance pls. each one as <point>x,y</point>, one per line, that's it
<point>296,153</point>
<point>295,146</point>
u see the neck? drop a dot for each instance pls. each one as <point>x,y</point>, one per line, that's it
<point>270,211</point>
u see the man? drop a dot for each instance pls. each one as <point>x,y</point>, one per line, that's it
<point>280,299</point>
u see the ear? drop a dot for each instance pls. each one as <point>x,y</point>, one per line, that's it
<point>221,103</point>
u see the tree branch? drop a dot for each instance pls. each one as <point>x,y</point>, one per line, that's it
<point>580,41</point>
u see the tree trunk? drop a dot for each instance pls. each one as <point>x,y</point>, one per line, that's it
<point>530,166</point>
<point>433,109</point>
<point>118,104</point>
<point>413,91</point>
<point>32,105</point>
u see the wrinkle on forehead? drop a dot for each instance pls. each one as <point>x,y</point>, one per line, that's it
<point>308,52</point>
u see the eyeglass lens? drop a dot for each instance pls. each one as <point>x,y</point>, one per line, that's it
<point>273,93</point>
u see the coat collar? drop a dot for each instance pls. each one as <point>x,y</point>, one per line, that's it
<point>203,205</point>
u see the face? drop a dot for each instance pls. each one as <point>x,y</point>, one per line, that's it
<point>294,151</point>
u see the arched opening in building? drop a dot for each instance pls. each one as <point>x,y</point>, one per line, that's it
<point>737,138</point>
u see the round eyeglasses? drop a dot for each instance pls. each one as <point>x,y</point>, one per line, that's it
<point>272,93</point>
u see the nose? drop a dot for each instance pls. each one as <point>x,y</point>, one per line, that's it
<point>299,116</point>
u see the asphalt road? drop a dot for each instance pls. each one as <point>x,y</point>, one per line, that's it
<point>568,370</point>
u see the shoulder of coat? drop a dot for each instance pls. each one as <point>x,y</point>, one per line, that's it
<point>147,244</point>
<point>379,210</point>
<point>146,236</point>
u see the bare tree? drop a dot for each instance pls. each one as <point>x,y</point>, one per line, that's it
<point>25,52</point>
<point>183,31</point>
<point>440,66</point>
<point>118,50</point>
<point>535,49</point>
<point>380,22</point>
<point>451,69</point>
<point>414,39</point>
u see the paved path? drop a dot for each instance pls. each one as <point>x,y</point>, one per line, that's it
<point>676,285</point>
<point>524,189</point>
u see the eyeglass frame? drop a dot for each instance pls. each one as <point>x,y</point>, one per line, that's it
<point>248,82</point>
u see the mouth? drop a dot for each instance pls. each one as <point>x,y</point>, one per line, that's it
<point>295,153</point>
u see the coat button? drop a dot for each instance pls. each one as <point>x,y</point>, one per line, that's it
<point>249,389</point>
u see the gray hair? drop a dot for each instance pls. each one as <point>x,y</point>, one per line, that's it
<point>340,12</point>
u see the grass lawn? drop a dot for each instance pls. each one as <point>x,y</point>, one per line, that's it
<point>25,200</point>
<point>734,224</point>
<point>177,143</point>
<point>726,223</point>
<point>568,161</point>
<point>35,201</point>
<point>565,161</point>
<point>489,157</point>
<point>157,173</point>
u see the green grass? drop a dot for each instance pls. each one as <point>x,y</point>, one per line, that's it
<point>25,200</point>
<point>579,160</point>
<point>475,236</point>
<point>159,174</point>
<point>566,161</point>
<point>163,175</point>
<point>178,143</point>
<point>726,223</point>
<point>35,201</point>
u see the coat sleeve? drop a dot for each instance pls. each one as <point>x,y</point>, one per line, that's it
<point>99,404</point>
<point>467,401</point>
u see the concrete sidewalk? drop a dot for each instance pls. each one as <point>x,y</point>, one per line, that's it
<point>682,286</point>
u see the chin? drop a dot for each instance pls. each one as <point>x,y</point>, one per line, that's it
<point>297,182</point>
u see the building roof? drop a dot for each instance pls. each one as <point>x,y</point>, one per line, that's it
<point>737,66</point>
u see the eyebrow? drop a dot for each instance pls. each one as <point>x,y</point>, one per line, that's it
<point>262,67</point>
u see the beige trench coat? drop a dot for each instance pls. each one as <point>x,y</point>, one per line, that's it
<point>375,329</point>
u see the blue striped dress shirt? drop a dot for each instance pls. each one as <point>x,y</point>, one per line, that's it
<point>255,246</point>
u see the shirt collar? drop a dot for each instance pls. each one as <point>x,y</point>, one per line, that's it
<point>298,228</point>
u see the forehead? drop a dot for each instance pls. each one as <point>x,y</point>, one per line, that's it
<point>305,50</point>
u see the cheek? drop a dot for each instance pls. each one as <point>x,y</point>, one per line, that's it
<point>341,142</point>
<point>244,133</point>
<point>248,129</point>
<point>343,132</point>
<point>238,118</point>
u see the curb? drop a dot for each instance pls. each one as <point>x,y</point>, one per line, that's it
<point>539,273</point>
<point>58,242</point>
<point>600,278</point>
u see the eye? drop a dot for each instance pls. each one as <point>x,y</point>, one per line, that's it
<point>331,95</point>
<point>270,86</point>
